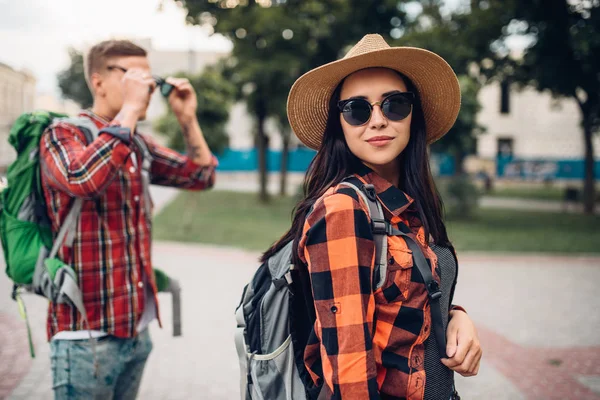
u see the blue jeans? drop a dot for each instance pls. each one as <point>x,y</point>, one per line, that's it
<point>120,367</point>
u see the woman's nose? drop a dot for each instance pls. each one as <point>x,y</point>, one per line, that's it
<point>378,120</point>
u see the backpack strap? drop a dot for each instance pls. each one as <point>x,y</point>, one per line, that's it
<point>85,125</point>
<point>146,166</point>
<point>433,289</point>
<point>241,346</point>
<point>381,229</point>
<point>378,227</point>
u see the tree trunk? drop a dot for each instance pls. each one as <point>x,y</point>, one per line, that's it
<point>285,151</point>
<point>459,157</point>
<point>263,148</point>
<point>589,195</point>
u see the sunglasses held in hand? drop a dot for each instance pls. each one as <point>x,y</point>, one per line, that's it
<point>395,107</point>
<point>164,87</point>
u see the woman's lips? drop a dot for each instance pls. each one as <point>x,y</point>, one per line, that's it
<point>380,141</point>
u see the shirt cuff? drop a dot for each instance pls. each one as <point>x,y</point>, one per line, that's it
<point>121,133</point>
<point>454,307</point>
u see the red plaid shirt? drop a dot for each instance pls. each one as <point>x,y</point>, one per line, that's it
<point>366,344</point>
<point>112,243</point>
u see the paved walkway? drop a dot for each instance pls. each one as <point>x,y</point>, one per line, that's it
<point>537,316</point>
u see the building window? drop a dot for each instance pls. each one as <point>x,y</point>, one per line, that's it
<point>504,97</point>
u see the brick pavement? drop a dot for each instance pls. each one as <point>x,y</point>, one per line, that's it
<point>543,373</point>
<point>13,342</point>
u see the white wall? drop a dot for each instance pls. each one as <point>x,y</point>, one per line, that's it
<point>540,126</point>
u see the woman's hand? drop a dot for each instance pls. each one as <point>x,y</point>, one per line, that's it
<point>462,348</point>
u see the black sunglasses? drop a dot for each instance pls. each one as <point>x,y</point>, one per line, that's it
<point>395,107</point>
<point>164,87</point>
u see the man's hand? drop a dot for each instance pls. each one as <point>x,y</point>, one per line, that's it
<point>137,86</point>
<point>463,346</point>
<point>183,100</point>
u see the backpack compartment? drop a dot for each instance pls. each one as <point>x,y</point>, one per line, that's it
<point>22,241</point>
<point>274,375</point>
<point>269,354</point>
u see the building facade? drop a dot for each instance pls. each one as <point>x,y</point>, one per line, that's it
<point>530,134</point>
<point>17,95</point>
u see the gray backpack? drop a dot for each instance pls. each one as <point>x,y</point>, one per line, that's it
<point>264,336</point>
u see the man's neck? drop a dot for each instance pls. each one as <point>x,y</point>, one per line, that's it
<point>103,112</point>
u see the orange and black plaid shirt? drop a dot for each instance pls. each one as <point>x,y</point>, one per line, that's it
<point>365,344</point>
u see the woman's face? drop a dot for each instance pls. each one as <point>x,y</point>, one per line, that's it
<point>379,142</point>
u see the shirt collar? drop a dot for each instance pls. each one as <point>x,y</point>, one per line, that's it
<point>98,120</point>
<point>394,200</point>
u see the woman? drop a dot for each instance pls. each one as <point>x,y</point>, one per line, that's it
<point>371,115</point>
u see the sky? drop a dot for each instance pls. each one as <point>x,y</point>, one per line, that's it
<point>36,34</point>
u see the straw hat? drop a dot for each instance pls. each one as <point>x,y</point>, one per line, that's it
<point>308,101</point>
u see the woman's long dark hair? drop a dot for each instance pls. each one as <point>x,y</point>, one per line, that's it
<point>335,161</point>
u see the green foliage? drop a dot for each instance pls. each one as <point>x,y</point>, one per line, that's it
<point>72,82</point>
<point>268,60</point>
<point>563,57</point>
<point>215,98</point>
<point>460,197</point>
<point>461,139</point>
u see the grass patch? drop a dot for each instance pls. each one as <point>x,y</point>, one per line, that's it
<point>526,231</point>
<point>224,218</point>
<point>238,220</point>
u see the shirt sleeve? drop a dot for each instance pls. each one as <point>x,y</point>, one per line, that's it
<point>79,170</point>
<point>338,249</point>
<point>170,168</point>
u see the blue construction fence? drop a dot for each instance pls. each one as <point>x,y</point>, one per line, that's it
<point>300,158</point>
<point>542,169</point>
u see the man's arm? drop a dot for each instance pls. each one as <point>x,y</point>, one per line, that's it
<point>197,149</point>
<point>85,171</point>
<point>80,171</point>
<point>169,168</point>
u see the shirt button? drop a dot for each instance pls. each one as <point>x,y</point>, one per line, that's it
<point>140,284</point>
<point>132,169</point>
<point>136,198</point>
<point>334,309</point>
<point>392,261</point>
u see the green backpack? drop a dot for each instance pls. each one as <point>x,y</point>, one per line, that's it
<point>25,231</point>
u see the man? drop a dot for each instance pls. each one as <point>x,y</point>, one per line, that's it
<point>111,249</point>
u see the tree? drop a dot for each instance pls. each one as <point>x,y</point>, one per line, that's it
<point>215,98</point>
<point>563,58</point>
<point>462,39</point>
<point>71,81</point>
<point>276,41</point>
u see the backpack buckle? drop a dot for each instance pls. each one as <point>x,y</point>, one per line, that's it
<point>379,226</point>
<point>433,290</point>
<point>285,280</point>
<point>369,190</point>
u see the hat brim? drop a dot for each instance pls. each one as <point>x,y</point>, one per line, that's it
<point>436,82</point>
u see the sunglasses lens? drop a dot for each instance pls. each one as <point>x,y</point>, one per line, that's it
<point>356,112</point>
<point>166,89</point>
<point>396,107</point>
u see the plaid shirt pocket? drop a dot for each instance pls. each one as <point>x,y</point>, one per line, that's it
<point>399,273</point>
